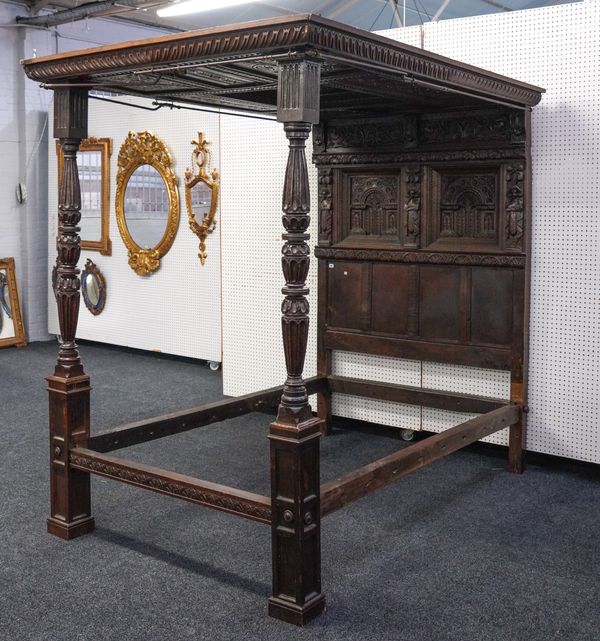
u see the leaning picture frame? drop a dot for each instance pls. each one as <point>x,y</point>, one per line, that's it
<point>12,331</point>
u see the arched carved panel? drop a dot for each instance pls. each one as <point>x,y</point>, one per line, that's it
<point>371,211</point>
<point>465,209</point>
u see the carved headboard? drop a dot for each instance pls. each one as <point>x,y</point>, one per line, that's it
<point>423,223</point>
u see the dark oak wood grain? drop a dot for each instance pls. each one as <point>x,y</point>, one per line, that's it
<point>218,497</point>
<point>413,395</point>
<point>424,204</point>
<point>371,477</point>
<point>185,420</point>
<point>295,434</point>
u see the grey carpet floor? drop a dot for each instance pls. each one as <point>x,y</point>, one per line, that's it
<point>460,551</point>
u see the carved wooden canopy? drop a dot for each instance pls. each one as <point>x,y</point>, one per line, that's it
<point>235,66</point>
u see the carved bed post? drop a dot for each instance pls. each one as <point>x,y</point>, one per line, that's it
<point>295,434</point>
<point>69,387</point>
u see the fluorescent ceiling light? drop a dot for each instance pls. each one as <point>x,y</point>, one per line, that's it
<point>196,6</point>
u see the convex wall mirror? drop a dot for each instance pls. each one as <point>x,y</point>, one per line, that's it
<point>147,200</point>
<point>201,194</point>
<point>93,163</point>
<point>11,320</point>
<point>93,288</point>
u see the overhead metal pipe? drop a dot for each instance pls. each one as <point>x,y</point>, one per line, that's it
<point>78,13</point>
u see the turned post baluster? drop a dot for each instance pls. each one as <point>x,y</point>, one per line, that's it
<point>295,434</point>
<point>69,386</point>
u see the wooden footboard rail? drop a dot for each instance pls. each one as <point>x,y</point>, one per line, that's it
<point>218,497</point>
<point>388,469</point>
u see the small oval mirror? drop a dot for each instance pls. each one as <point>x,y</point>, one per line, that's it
<point>93,288</point>
<point>146,206</point>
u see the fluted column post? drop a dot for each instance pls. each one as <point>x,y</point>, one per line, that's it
<point>295,434</point>
<point>69,387</point>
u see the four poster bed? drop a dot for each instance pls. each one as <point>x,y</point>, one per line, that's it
<point>424,206</point>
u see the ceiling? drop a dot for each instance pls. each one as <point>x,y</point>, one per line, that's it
<point>371,15</point>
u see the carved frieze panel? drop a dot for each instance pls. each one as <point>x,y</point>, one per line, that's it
<point>500,125</point>
<point>464,208</point>
<point>399,132</point>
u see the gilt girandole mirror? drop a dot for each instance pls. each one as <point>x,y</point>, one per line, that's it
<point>201,194</point>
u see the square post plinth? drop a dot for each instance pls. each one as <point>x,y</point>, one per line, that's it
<point>69,386</point>
<point>295,434</point>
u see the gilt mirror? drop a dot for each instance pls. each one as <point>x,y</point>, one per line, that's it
<point>147,200</point>
<point>93,288</point>
<point>11,321</point>
<point>93,164</point>
<point>201,194</point>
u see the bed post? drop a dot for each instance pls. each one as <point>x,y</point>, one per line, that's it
<point>295,434</point>
<point>69,387</point>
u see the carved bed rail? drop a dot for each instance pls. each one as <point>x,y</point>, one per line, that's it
<point>200,416</point>
<point>218,497</point>
<point>374,476</point>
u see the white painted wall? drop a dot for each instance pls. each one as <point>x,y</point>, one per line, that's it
<point>24,146</point>
<point>177,309</point>
<point>554,47</point>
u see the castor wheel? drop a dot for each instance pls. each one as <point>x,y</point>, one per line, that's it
<point>407,435</point>
<point>214,365</point>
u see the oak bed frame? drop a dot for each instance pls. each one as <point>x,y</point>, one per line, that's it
<point>424,208</point>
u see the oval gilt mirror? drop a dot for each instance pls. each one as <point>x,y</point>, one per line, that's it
<point>147,201</point>
<point>201,194</point>
<point>93,288</point>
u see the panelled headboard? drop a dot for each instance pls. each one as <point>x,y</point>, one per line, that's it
<point>423,237</point>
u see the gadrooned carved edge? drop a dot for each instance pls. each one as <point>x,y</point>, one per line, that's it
<point>265,38</point>
<point>137,477</point>
<point>436,258</point>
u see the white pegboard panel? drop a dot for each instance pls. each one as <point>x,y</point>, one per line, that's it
<point>376,368</point>
<point>177,309</point>
<point>384,412</point>
<point>556,48</point>
<point>467,380</point>
<point>253,160</point>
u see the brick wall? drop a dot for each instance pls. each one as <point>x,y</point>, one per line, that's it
<point>24,146</point>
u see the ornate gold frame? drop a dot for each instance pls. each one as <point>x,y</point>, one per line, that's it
<point>15,307</point>
<point>201,158</point>
<point>92,268</point>
<point>144,148</point>
<point>104,146</point>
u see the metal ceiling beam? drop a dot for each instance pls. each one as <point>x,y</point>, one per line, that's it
<point>344,7</point>
<point>36,6</point>
<point>438,14</point>
<point>396,13</point>
<point>91,9</point>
